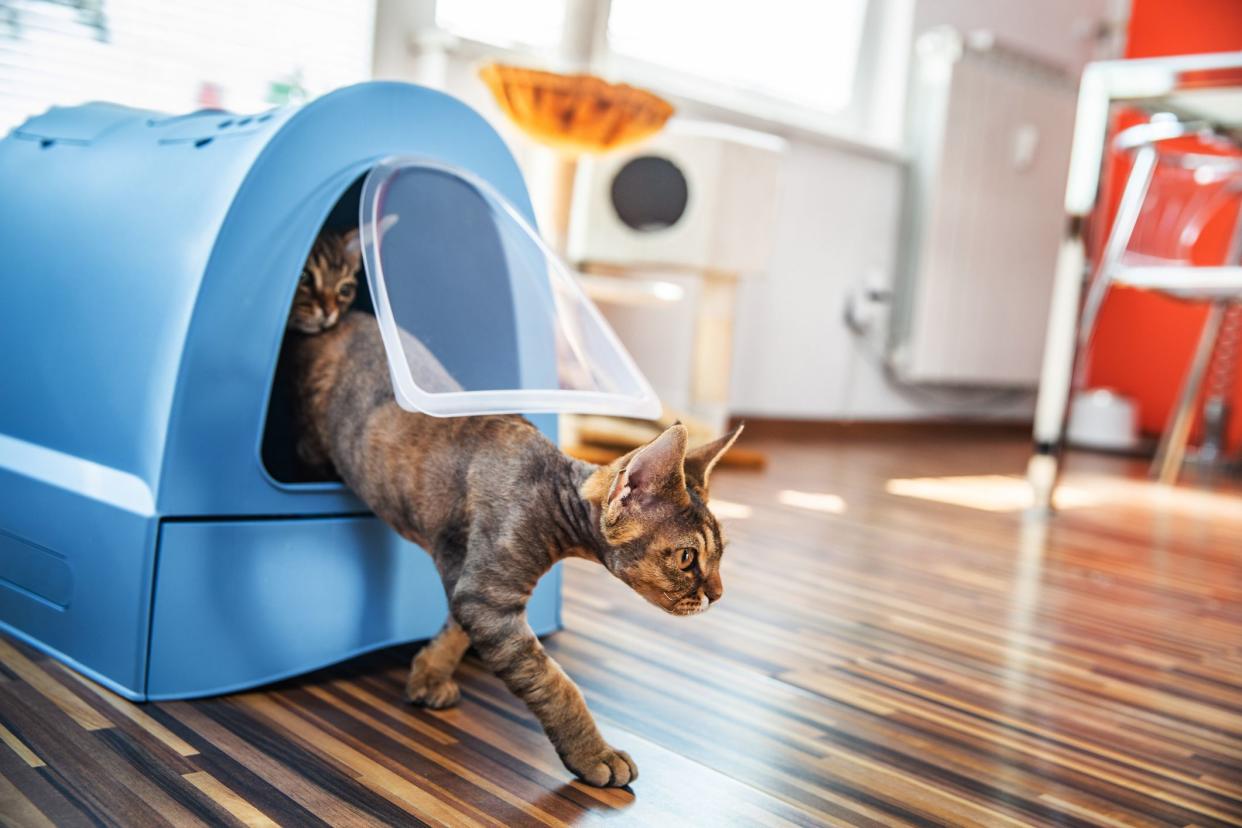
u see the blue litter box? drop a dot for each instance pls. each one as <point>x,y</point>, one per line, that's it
<point>155,530</point>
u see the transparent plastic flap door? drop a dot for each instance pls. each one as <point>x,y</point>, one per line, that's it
<point>478,316</point>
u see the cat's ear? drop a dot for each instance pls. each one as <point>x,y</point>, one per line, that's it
<point>701,461</point>
<point>655,471</point>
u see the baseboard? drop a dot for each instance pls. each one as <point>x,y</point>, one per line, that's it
<point>771,428</point>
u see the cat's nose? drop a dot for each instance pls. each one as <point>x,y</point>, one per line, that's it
<point>713,587</point>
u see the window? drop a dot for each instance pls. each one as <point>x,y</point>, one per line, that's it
<point>178,55</point>
<point>509,23</point>
<point>789,50</point>
<point>836,67</point>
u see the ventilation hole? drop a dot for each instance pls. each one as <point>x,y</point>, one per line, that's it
<point>225,124</point>
<point>202,142</point>
<point>263,118</point>
<point>244,121</point>
<point>650,193</point>
<point>47,142</point>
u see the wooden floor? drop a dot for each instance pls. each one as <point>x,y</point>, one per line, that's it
<point>879,658</point>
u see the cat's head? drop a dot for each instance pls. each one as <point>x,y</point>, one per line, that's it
<point>660,536</point>
<point>328,283</point>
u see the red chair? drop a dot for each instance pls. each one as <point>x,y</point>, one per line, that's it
<point>1170,196</point>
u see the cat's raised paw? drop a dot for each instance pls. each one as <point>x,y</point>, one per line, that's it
<point>436,694</point>
<point>610,769</point>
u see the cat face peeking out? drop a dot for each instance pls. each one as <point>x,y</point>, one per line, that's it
<point>663,541</point>
<point>328,283</point>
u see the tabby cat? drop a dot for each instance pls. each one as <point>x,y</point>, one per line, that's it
<point>496,504</point>
<point>328,283</point>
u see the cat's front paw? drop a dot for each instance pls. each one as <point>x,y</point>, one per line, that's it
<point>607,769</point>
<point>433,692</point>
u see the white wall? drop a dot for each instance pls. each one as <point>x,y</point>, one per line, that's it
<point>837,219</point>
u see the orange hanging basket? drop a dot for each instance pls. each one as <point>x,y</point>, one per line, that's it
<point>575,113</point>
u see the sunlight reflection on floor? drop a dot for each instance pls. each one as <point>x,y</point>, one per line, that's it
<point>729,509</point>
<point>815,501</point>
<point>1008,493</point>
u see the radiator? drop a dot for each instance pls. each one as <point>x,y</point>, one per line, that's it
<point>989,133</point>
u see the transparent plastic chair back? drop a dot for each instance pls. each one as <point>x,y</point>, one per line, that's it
<point>1189,194</point>
<point>478,316</point>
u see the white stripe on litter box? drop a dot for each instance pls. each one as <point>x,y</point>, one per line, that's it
<point>89,479</point>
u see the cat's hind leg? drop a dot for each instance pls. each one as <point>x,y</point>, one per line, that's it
<point>431,674</point>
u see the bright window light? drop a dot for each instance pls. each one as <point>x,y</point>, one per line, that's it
<point>176,55</point>
<point>792,50</point>
<point>814,501</point>
<point>503,22</point>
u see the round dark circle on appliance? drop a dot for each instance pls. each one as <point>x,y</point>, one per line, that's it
<point>649,193</point>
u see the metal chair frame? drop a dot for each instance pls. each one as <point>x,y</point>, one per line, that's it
<point>1142,141</point>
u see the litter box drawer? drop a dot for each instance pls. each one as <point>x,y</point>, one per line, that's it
<point>75,570</point>
<point>243,603</point>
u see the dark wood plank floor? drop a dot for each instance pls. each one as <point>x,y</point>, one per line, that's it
<point>880,658</point>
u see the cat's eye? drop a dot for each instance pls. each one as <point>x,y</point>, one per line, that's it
<point>305,280</point>
<point>686,557</point>
<point>346,291</point>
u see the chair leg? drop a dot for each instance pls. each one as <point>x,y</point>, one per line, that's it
<point>1056,376</point>
<point>1168,462</point>
<point>1070,327</point>
<point>1128,210</point>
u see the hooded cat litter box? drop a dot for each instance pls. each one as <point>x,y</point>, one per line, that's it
<point>156,531</point>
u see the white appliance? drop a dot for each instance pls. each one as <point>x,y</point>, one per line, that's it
<point>698,196</point>
<point>989,134</point>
